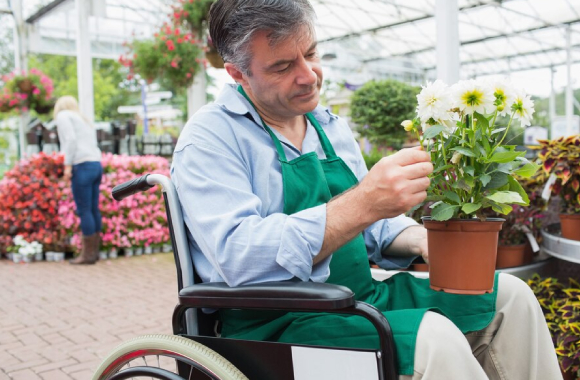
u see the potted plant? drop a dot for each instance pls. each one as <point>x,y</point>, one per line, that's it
<point>516,233</point>
<point>561,161</point>
<point>561,307</point>
<point>473,171</point>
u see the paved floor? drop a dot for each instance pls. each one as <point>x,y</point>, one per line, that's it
<point>57,321</point>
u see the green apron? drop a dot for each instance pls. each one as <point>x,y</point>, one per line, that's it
<point>403,299</point>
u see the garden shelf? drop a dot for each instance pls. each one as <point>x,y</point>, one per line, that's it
<point>555,245</point>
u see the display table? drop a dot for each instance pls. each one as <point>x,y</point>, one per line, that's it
<point>557,246</point>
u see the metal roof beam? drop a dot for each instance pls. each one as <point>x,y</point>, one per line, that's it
<point>501,57</point>
<point>478,40</point>
<point>380,27</point>
<point>44,10</point>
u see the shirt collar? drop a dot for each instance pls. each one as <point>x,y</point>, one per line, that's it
<point>234,102</point>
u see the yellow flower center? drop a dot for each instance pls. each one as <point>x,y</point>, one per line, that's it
<point>472,98</point>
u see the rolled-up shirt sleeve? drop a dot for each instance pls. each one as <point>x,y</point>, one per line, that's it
<point>243,242</point>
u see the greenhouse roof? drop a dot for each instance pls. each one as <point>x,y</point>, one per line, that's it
<point>376,37</point>
<point>496,37</point>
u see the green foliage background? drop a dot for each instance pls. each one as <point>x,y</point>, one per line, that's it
<point>379,107</point>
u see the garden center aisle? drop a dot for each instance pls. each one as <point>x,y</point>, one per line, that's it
<point>58,321</point>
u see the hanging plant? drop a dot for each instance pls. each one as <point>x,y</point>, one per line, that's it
<point>192,14</point>
<point>24,91</point>
<point>172,57</point>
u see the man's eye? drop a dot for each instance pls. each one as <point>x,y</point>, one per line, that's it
<point>284,69</point>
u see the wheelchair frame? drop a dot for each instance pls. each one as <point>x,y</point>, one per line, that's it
<point>255,359</point>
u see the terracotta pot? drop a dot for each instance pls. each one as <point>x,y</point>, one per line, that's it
<point>462,254</point>
<point>570,224</point>
<point>528,253</point>
<point>421,267</point>
<point>510,256</point>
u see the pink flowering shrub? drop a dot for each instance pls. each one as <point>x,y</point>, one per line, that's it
<point>139,220</point>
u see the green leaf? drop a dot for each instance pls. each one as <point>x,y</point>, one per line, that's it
<point>504,168</point>
<point>497,131</point>
<point>481,149</point>
<point>464,151</point>
<point>441,168</point>
<point>527,170</point>
<point>482,122</point>
<point>505,156</point>
<point>501,208</point>
<point>469,170</point>
<point>462,184</point>
<point>452,196</point>
<point>433,131</point>
<point>444,211</point>
<point>469,208</point>
<point>515,186</point>
<point>506,197</point>
<point>498,180</point>
<point>485,178</point>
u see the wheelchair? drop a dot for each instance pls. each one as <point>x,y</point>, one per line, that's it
<point>195,351</point>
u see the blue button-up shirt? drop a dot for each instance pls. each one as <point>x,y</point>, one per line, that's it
<point>229,182</point>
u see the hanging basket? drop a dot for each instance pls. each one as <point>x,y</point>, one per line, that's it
<point>462,254</point>
<point>214,59</point>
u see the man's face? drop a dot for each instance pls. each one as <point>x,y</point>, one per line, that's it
<point>286,77</point>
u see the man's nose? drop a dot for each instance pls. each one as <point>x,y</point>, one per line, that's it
<point>306,74</point>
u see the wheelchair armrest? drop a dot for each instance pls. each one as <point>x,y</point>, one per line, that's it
<point>299,296</point>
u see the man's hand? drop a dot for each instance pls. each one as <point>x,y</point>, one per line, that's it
<point>397,183</point>
<point>411,242</point>
<point>67,172</point>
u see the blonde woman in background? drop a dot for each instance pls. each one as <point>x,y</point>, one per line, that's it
<point>82,160</point>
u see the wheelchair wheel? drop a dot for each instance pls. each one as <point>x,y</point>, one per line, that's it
<point>165,357</point>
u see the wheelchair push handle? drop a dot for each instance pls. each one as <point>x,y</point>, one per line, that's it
<point>129,188</point>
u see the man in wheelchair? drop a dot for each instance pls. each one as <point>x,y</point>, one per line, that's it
<point>273,187</point>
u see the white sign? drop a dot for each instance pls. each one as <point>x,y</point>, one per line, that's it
<point>560,127</point>
<point>328,364</point>
<point>533,134</point>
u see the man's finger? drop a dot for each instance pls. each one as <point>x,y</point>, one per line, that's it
<point>418,170</point>
<point>406,157</point>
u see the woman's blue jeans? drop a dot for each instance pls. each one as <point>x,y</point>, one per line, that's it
<point>86,179</point>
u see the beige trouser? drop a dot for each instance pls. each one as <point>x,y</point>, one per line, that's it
<point>515,346</point>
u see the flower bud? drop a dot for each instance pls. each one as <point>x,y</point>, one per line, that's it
<point>407,125</point>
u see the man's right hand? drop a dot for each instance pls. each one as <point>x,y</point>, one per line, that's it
<point>396,183</point>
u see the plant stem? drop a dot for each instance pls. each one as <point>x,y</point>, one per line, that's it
<point>504,135</point>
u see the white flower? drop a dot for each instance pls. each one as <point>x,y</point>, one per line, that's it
<point>407,125</point>
<point>503,93</point>
<point>523,107</point>
<point>434,102</point>
<point>472,96</point>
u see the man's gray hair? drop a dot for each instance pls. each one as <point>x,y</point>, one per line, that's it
<point>233,23</point>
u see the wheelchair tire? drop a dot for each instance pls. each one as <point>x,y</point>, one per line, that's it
<point>186,351</point>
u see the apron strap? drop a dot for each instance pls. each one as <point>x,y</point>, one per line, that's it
<point>324,142</point>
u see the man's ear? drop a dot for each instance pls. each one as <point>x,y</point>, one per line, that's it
<point>235,73</point>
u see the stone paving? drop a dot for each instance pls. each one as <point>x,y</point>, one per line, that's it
<point>58,321</point>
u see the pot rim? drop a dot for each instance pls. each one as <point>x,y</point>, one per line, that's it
<point>456,220</point>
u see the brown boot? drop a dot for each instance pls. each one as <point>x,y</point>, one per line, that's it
<point>96,246</point>
<point>86,256</point>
